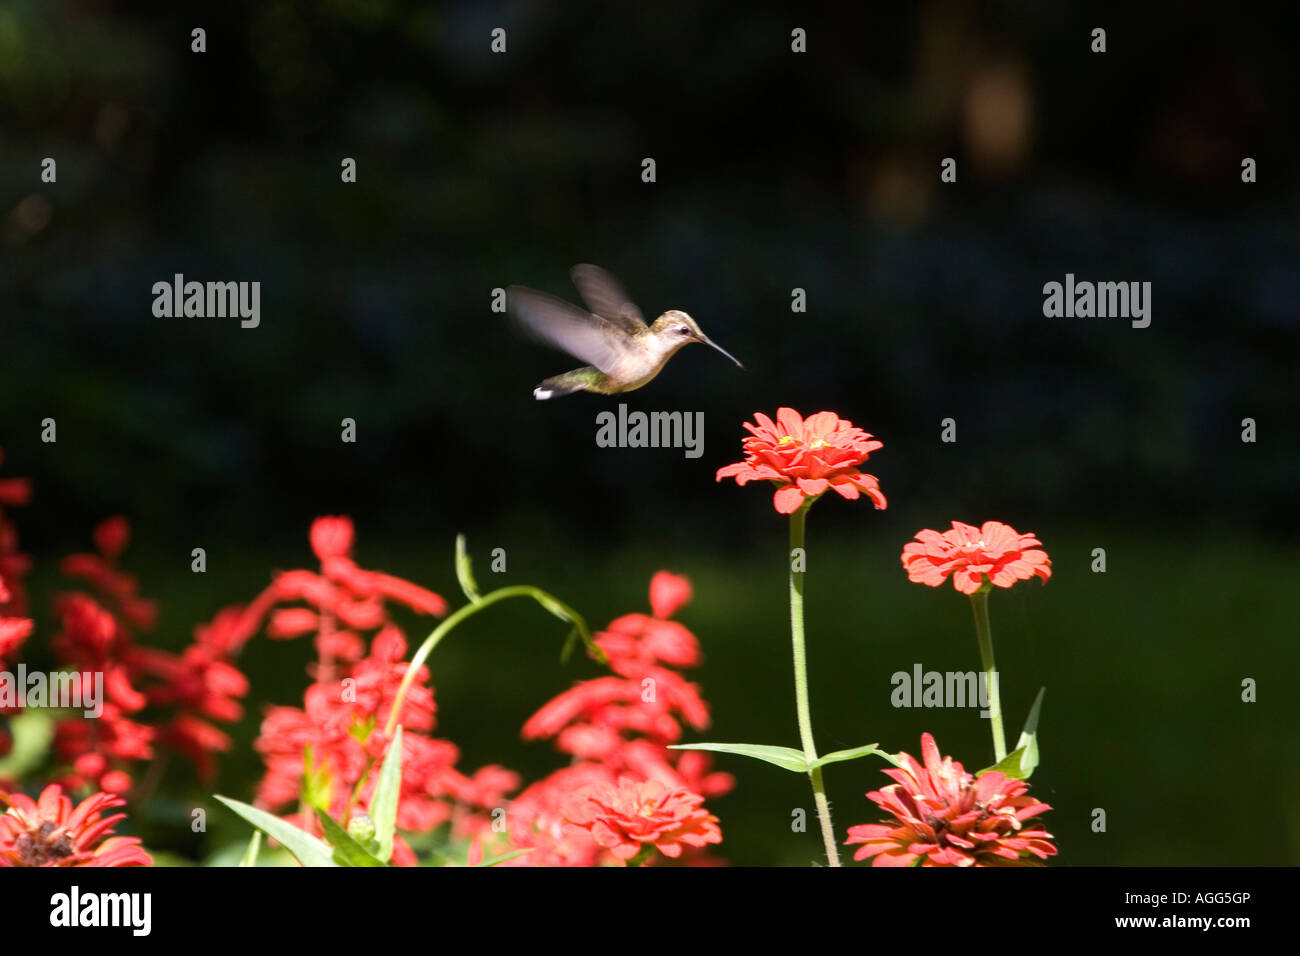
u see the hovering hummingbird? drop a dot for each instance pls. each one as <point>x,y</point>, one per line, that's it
<point>624,352</point>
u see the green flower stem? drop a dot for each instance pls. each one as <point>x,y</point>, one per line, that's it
<point>801,686</point>
<point>643,856</point>
<point>442,630</point>
<point>980,606</point>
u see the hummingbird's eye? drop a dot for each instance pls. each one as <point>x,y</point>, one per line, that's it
<point>683,330</point>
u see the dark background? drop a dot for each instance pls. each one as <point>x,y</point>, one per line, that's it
<point>775,171</point>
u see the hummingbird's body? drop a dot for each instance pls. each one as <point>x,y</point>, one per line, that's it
<point>624,352</point>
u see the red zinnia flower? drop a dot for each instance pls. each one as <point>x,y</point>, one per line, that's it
<point>49,832</point>
<point>948,817</point>
<point>994,551</point>
<point>625,818</point>
<point>805,457</point>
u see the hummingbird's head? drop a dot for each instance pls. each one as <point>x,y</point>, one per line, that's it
<point>675,328</point>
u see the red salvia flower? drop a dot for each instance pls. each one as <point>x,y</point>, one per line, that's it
<point>345,710</point>
<point>332,537</point>
<point>50,832</point>
<point>617,726</point>
<point>626,817</point>
<point>994,552</point>
<point>805,458</point>
<point>13,632</point>
<point>115,587</point>
<point>668,592</point>
<point>14,492</point>
<point>944,816</point>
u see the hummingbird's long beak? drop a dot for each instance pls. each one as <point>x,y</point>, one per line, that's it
<point>708,341</point>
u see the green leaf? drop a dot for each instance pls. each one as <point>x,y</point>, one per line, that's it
<point>383,807</point>
<point>306,849</point>
<point>32,732</point>
<point>1028,740</point>
<point>347,851</point>
<point>1010,765</point>
<point>1022,761</point>
<point>1029,736</point>
<point>785,757</point>
<point>505,856</point>
<point>570,616</point>
<point>570,643</point>
<point>465,571</point>
<point>254,845</point>
<point>316,786</point>
<point>853,754</point>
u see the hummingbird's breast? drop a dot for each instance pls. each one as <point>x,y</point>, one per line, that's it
<point>643,360</point>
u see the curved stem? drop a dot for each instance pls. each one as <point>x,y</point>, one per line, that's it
<point>984,631</point>
<point>520,590</point>
<point>802,708</point>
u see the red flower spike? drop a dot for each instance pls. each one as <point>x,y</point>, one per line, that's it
<point>13,632</point>
<point>805,458</point>
<point>668,592</point>
<point>111,537</point>
<point>331,537</point>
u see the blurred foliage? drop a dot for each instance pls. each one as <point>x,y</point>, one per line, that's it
<point>775,171</point>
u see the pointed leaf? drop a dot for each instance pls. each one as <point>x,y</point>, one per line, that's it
<point>383,807</point>
<point>306,849</point>
<point>505,856</point>
<point>1022,761</point>
<point>1010,765</point>
<point>785,757</point>
<point>853,754</point>
<point>570,643</point>
<point>347,851</point>
<point>570,616</point>
<point>1029,737</point>
<point>254,845</point>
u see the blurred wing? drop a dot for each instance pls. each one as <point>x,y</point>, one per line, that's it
<point>605,297</point>
<point>566,327</point>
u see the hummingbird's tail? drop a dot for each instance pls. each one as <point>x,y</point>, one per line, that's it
<point>566,384</point>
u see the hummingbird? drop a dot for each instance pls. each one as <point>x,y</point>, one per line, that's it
<point>624,352</point>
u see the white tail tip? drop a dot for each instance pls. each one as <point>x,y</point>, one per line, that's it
<point>542,394</point>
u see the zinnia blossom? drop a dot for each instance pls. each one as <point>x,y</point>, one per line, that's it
<point>805,457</point>
<point>49,832</point>
<point>945,816</point>
<point>626,818</point>
<point>995,552</point>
